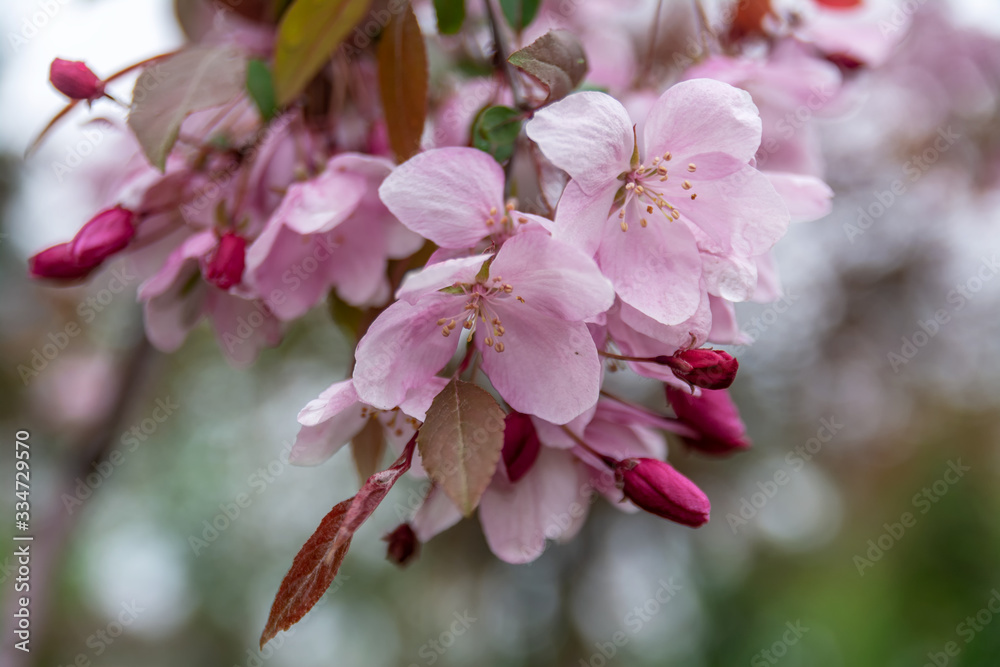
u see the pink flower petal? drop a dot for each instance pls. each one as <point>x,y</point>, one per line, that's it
<point>403,349</point>
<point>547,503</point>
<point>654,269</point>
<point>438,276</point>
<point>553,277</point>
<point>581,218</point>
<point>588,135</point>
<point>702,116</point>
<point>549,367</point>
<point>807,197</point>
<point>447,195</point>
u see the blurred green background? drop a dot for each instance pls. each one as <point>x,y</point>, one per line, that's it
<point>826,569</point>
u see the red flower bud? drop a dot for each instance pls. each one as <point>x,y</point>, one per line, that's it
<point>403,545</point>
<point>74,79</point>
<point>226,264</point>
<point>714,416</point>
<point>657,488</point>
<point>520,445</point>
<point>58,263</point>
<point>707,368</point>
<point>105,234</point>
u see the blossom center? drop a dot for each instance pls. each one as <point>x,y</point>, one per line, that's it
<point>649,187</point>
<point>478,310</point>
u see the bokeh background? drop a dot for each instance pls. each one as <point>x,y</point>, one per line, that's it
<point>877,375</point>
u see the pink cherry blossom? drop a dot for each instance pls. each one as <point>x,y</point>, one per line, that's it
<point>176,299</point>
<point>332,420</point>
<point>524,312</point>
<point>453,197</point>
<point>330,231</point>
<point>687,199</point>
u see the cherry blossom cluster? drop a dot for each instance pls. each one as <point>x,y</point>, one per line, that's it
<point>633,200</point>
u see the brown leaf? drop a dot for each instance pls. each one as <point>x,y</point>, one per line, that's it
<point>556,60</point>
<point>167,91</point>
<point>460,442</point>
<point>319,559</point>
<point>402,80</point>
<point>367,448</point>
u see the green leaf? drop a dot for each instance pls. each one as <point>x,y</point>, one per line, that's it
<point>634,162</point>
<point>484,271</point>
<point>460,442</point>
<point>345,316</point>
<point>308,34</point>
<point>519,13</point>
<point>402,79</point>
<point>495,131</point>
<point>167,91</point>
<point>452,289</point>
<point>260,85</point>
<point>556,60</point>
<point>450,15</point>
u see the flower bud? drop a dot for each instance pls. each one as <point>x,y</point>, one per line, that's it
<point>714,416</point>
<point>225,266</point>
<point>74,79</point>
<point>403,545</point>
<point>520,445</point>
<point>659,489</point>
<point>58,263</point>
<point>707,368</point>
<point>105,234</point>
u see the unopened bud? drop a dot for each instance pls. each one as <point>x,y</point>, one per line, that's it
<point>105,234</point>
<point>707,368</point>
<point>520,445</point>
<point>403,545</point>
<point>74,79</point>
<point>58,263</point>
<point>658,488</point>
<point>226,264</point>
<point>714,416</point>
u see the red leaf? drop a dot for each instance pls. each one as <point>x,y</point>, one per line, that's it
<point>319,559</point>
<point>402,79</point>
<point>749,19</point>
